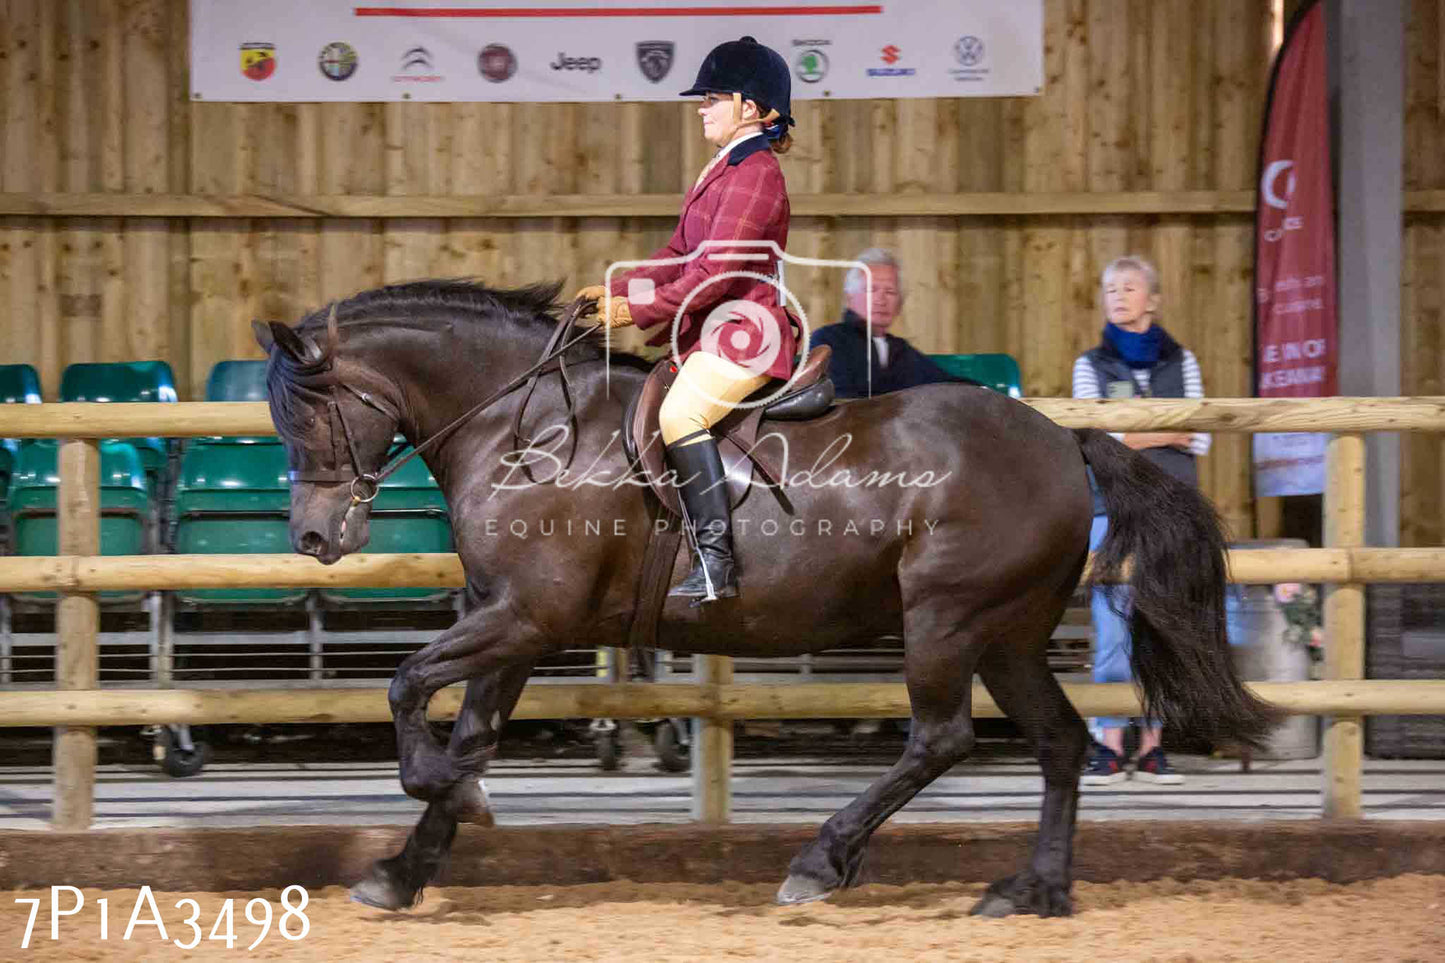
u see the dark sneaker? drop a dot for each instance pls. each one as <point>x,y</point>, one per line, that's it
<point>1105,767</point>
<point>1154,766</point>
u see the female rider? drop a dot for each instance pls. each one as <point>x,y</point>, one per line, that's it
<point>731,332</point>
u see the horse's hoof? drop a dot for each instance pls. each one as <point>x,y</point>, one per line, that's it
<point>1024,894</point>
<point>797,890</point>
<point>471,804</point>
<point>381,894</point>
<point>994,906</point>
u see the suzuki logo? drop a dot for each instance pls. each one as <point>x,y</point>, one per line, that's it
<point>890,54</point>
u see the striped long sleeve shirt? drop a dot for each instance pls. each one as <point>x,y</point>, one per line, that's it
<point>1086,386</point>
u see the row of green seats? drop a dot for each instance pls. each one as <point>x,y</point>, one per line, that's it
<point>129,468</point>
<point>127,506</point>
<point>232,496</point>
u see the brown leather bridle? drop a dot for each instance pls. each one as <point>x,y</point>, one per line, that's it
<point>366,484</point>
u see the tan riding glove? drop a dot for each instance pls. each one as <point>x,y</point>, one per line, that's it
<point>614,312</point>
<point>591,292</point>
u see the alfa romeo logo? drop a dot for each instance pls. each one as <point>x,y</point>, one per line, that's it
<point>337,61</point>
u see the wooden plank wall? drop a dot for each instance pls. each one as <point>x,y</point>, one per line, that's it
<point>1422,467</point>
<point>1140,95</point>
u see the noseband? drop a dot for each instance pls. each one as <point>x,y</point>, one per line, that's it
<point>366,484</point>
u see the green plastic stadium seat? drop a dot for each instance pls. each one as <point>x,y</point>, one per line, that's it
<point>119,381</point>
<point>238,381</point>
<point>232,497</point>
<point>126,506</point>
<point>409,515</point>
<point>19,384</point>
<point>999,371</point>
<point>125,381</point>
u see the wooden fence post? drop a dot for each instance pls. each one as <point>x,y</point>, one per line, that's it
<point>1344,624</point>
<point>712,747</point>
<point>77,631</point>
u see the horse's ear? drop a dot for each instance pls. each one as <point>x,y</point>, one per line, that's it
<point>263,336</point>
<point>289,341</point>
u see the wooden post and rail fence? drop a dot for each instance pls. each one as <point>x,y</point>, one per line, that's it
<point>76,706</point>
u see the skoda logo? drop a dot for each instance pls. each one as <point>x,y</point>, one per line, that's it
<point>811,65</point>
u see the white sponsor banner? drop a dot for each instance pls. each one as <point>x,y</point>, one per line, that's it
<point>574,50</point>
<point>1289,464</point>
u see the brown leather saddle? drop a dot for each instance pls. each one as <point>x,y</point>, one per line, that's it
<point>810,396</point>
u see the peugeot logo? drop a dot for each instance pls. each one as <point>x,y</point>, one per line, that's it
<point>654,58</point>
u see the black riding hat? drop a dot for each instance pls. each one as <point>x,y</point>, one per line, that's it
<point>747,67</point>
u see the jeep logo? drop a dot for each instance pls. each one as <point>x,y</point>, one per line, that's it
<point>589,64</point>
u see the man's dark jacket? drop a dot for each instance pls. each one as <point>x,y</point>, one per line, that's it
<point>907,366</point>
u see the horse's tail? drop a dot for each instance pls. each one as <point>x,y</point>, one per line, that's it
<point>1175,540</point>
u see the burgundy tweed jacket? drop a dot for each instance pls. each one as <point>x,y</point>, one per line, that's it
<point>742,199</point>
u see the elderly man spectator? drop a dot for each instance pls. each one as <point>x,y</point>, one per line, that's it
<point>867,360</point>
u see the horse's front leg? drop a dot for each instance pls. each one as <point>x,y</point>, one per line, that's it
<point>486,707</point>
<point>397,882</point>
<point>482,642</point>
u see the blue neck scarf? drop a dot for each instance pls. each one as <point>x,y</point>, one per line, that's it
<point>1137,350</point>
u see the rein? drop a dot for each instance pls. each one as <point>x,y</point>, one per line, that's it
<point>365,485</point>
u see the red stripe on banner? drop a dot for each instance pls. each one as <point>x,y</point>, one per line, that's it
<point>1296,334</point>
<point>503,12</point>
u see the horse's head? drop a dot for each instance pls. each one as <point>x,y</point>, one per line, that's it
<point>337,429</point>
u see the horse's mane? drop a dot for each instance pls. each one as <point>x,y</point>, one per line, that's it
<point>533,308</point>
<point>532,305</point>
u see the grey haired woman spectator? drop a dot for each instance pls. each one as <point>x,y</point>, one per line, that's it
<point>1135,358</point>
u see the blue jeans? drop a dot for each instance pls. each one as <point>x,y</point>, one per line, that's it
<point>1112,642</point>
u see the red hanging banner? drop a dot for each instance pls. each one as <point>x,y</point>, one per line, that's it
<point>1295,325</point>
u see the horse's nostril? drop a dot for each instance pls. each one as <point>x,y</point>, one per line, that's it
<point>312,543</point>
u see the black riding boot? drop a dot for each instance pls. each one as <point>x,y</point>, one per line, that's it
<point>699,468</point>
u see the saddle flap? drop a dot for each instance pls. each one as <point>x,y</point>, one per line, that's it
<point>646,432</point>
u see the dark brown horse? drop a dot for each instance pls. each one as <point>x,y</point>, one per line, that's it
<point>950,515</point>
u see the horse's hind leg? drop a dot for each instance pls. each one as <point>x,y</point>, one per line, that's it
<point>397,882</point>
<point>939,660</point>
<point>1019,679</point>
